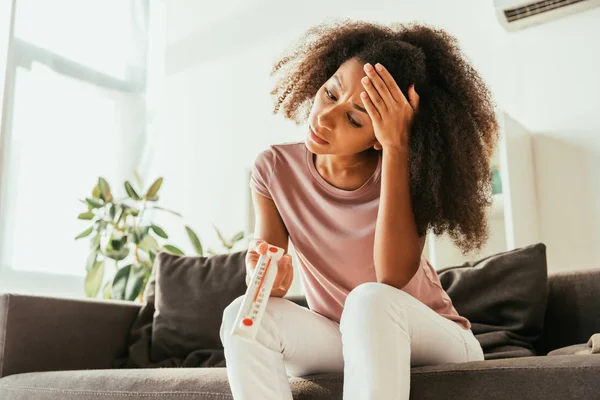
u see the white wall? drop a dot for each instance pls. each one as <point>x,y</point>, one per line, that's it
<point>553,89</point>
<point>218,113</point>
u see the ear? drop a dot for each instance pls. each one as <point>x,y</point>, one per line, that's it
<point>377,145</point>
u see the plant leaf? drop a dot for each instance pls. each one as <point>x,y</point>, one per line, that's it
<point>102,224</point>
<point>149,244</point>
<point>85,233</point>
<point>237,237</point>
<point>91,260</point>
<point>94,203</point>
<point>119,282</point>
<point>93,279</point>
<point>117,248</point>
<point>112,211</point>
<point>86,216</point>
<point>147,263</point>
<point>195,241</point>
<point>167,210</point>
<point>131,191</point>
<point>152,256</point>
<point>130,211</point>
<point>117,244</point>
<point>96,194</point>
<point>151,194</point>
<point>141,233</point>
<point>173,249</point>
<point>107,291</point>
<point>138,178</point>
<point>144,284</point>
<point>159,231</point>
<point>138,234</point>
<point>105,192</point>
<point>118,255</point>
<point>120,212</point>
<point>221,238</point>
<point>135,281</point>
<point>95,243</point>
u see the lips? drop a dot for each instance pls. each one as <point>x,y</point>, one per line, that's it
<point>316,137</point>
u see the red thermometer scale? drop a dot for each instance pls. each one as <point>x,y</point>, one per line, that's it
<point>257,294</point>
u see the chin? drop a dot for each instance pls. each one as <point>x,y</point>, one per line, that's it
<point>312,147</point>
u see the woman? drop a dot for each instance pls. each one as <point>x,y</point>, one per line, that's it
<point>400,131</point>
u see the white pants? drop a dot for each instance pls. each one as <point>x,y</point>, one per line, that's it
<point>382,333</point>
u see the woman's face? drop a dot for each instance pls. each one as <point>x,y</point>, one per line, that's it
<point>337,117</point>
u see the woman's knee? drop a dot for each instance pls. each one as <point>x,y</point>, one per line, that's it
<point>370,302</point>
<point>229,315</point>
<point>269,323</point>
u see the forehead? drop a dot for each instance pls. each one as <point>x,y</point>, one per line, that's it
<point>350,73</point>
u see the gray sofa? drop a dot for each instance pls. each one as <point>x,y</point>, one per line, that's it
<point>55,348</point>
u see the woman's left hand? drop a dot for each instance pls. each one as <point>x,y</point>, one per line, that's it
<point>392,114</point>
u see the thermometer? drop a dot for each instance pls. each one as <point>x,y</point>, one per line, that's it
<point>257,294</point>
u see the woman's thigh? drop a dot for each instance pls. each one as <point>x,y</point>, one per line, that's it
<point>310,343</point>
<point>436,339</point>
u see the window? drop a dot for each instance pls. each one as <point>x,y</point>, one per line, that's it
<point>80,81</point>
<point>5,19</point>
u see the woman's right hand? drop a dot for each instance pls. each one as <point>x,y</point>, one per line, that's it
<point>285,271</point>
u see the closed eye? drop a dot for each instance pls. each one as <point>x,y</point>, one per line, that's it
<point>352,121</point>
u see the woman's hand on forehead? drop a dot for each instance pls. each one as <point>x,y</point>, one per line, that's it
<point>391,112</point>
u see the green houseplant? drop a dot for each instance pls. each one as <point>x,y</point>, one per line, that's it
<point>121,235</point>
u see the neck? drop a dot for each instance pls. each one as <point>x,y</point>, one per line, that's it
<point>347,171</point>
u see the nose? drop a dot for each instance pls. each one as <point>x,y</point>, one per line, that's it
<point>325,120</point>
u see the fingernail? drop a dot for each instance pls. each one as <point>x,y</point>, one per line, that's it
<point>368,67</point>
<point>379,67</point>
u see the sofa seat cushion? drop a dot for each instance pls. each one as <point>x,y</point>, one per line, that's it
<point>146,383</point>
<point>557,377</point>
<point>592,346</point>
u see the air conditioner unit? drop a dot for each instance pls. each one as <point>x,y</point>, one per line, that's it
<point>519,14</point>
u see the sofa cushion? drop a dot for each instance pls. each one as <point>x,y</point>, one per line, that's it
<point>191,294</point>
<point>573,311</point>
<point>559,377</point>
<point>178,325</point>
<point>592,346</point>
<point>504,296</point>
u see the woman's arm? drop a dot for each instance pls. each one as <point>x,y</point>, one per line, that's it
<point>398,248</point>
<point>268,224</point>
<point>269,227</point>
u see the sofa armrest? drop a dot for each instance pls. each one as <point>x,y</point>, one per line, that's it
<point>573,309</point>
<point>51,333</point>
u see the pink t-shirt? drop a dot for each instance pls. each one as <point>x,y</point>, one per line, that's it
<point>333,232</point>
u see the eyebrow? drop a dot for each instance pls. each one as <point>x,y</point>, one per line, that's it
<point>339,83</point>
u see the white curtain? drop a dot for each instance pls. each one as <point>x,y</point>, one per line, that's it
<point>5,22</point>
<point>82,101</point>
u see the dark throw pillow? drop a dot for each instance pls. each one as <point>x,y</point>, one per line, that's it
<point>504,296</point>
<point>178,325</point>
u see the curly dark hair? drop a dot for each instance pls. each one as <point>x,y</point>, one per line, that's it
<point>454,133</point>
